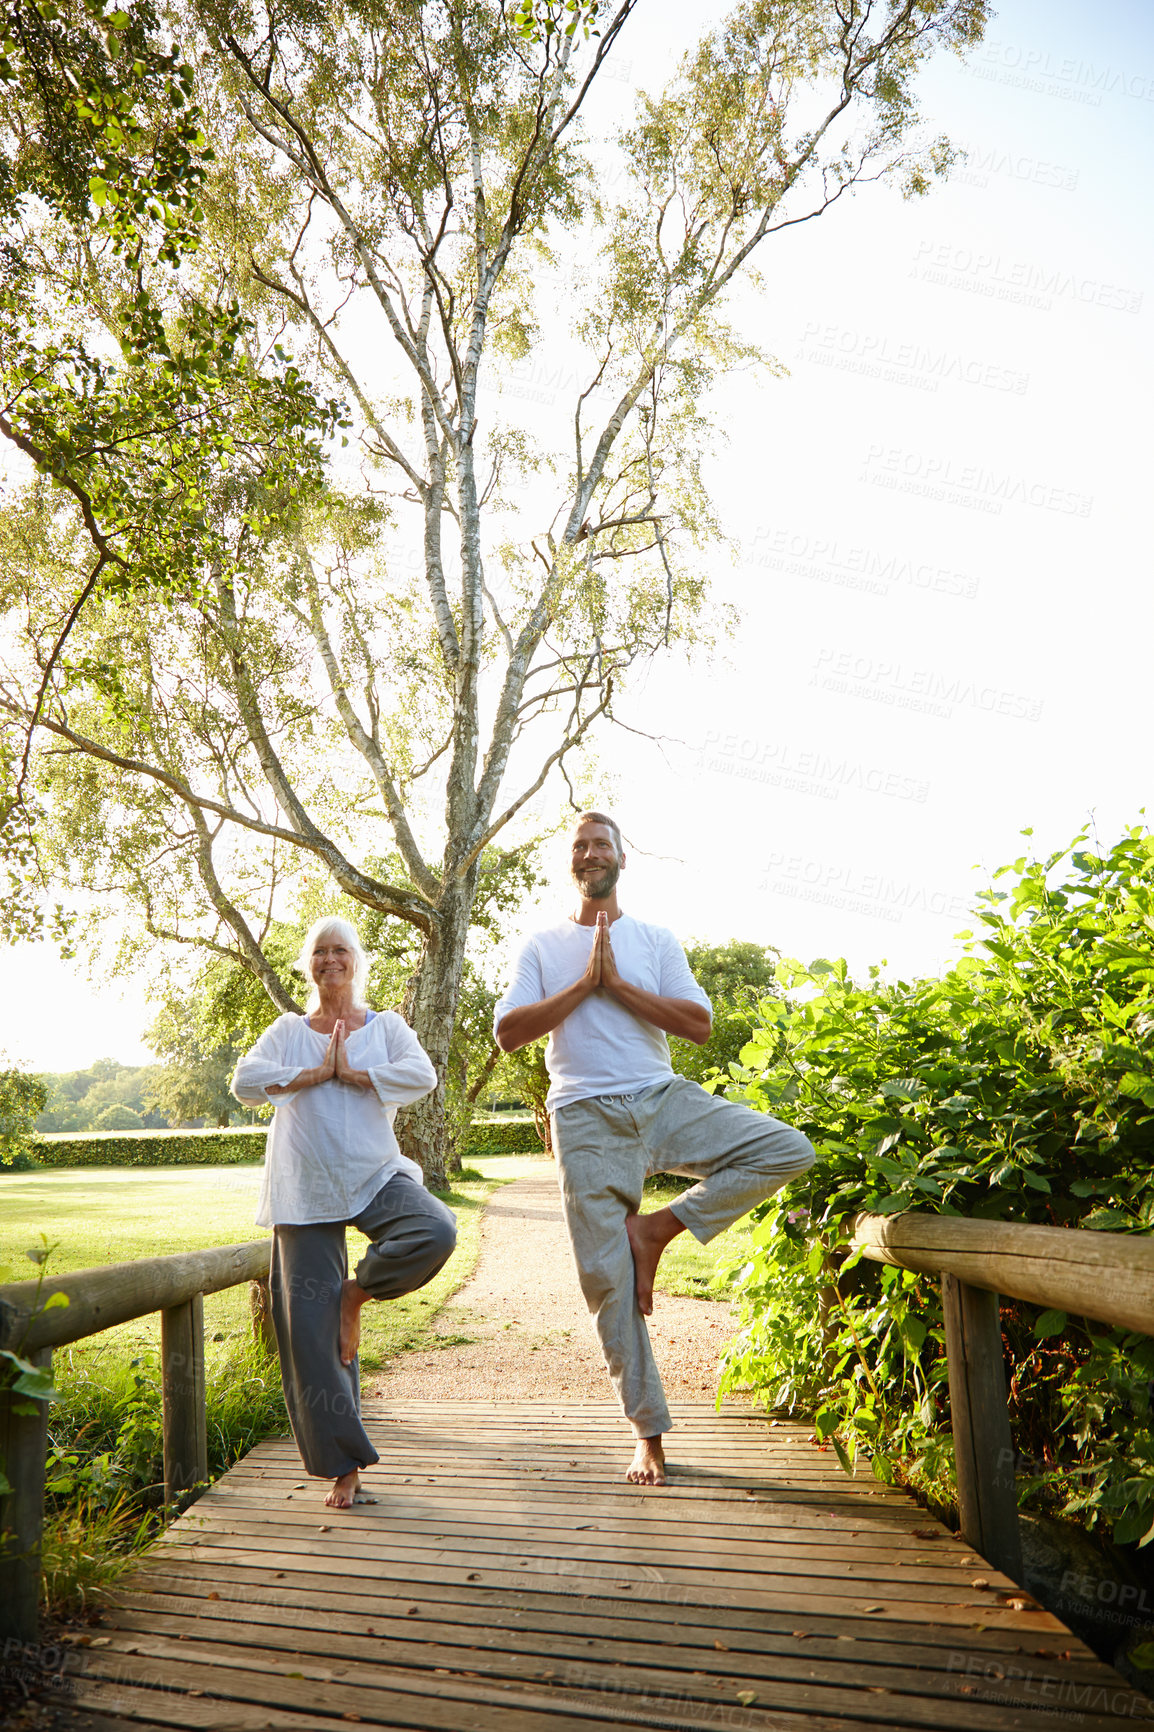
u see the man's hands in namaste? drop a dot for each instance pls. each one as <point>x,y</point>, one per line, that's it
<point>601,969</point>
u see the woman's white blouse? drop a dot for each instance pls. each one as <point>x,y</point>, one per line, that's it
<point>331,1147</point>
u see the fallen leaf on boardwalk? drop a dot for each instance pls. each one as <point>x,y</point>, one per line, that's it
<point>873,1608</point>
<point>99,1642</point>
<point>747,1698</point>
<point>721,1647</point>
<point>351,1717</point>
<point>194,1692</point>
<point>979,1582</point>
<point>877,1689</point>
<point>299,1487</point>
<point>802,1635</point>
<point>473,1577</point>
<point>925,1533</point>
<point>324,1528</point>
<point>1017,1605</point>
<point>214,1595</point>
<point>279,1576</point>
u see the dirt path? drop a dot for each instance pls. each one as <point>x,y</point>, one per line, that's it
<point>519,1328</point>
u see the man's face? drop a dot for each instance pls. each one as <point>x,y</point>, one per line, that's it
<point>594,861</point>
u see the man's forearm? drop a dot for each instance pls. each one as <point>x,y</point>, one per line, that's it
<point>530,1021</point>
<point>683,1017</point>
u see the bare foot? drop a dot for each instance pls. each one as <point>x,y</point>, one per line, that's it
<point>648,1464</point>
<point>344,1491</point>
<point>648,1237</point>
<point>352,1298</point>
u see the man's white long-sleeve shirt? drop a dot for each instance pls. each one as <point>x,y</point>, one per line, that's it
<point>331,1147</point>
<point>601,1048</point>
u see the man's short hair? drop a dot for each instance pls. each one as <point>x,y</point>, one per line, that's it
<point>602,818</point>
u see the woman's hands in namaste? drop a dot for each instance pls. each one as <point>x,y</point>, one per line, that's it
<point>333,1066</point>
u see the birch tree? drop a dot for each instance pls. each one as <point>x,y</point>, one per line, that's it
<point>370,665</point>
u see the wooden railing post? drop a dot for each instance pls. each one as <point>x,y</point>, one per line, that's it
<point>23,1445</point>
<point>983,1450</point>
<point>260,1304</point>
<point>182,1382</point>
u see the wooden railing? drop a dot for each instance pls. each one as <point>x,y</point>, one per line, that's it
<point>1105,1276</point>
<point>99,1299</point>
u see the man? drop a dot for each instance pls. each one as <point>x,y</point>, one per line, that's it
<point>607,989</point>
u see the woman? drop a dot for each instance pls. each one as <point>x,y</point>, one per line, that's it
<point>336,1077</point>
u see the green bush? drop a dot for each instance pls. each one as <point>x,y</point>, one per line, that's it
<point>150,1148</point>
<point>1016,1087</point>
<point>502,1138</point>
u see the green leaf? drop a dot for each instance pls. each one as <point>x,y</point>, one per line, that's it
<point>56,1302</point>
<point>846,1463</point>
<point>98,189</point>
<point>1050,1323</point>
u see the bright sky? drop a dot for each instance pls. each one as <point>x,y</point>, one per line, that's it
<point>945,586</point>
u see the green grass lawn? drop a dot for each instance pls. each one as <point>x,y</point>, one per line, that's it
<point>96,1215</point>
<point>689,1269</point>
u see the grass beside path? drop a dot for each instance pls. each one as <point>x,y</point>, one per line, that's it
<point>99,1215</point>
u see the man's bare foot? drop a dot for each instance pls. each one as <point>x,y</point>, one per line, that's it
<point>648,1464</point>
<point>648,1237</point>
<point>353,1297</point>
<point>344,1491</point>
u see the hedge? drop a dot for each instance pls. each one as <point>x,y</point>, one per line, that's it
<point>150,1148</point>
<point>505,1137</point>
<point>227,1148</point>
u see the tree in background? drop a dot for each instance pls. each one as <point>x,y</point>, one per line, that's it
<point>22,1098</point>
<point>737,975</point>
<point>239,664</point>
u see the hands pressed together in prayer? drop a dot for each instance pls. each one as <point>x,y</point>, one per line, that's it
<point>333,1066</point>
<point>601,969</point>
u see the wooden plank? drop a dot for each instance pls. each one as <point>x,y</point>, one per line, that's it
<point>987,1499</point>
<point>183,1397</point>
<point>438,1696</point>
<point>530,1606</point>
<point>1108,1276</point>
<point>517,1652</point>
<point>23,1444</point>
<point>527,1628</point>
<point>484,1597</point>
<point>118,1292</point>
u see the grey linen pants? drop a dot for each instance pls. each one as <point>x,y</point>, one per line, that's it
<point>606,1147</point>
<point>412,1235</point>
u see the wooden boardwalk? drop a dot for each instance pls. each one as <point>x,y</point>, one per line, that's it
<point>508,1580</point>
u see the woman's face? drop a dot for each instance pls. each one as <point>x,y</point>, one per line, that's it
<point>332,963</point>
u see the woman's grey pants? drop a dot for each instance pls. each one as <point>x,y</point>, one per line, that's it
<point>606,1147</point>
<point>412,1235</point>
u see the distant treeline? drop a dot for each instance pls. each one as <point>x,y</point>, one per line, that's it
<point>110,1096</point>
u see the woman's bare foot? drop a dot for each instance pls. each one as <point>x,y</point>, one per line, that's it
<point>648,1464</point>
<point>344,1490</point>
<point>353,1297</point>
<point>648,1237</point>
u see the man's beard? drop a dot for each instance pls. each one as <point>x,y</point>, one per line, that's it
<point>597,889</point>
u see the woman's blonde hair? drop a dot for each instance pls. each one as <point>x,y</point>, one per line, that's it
<point>331,926</point>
